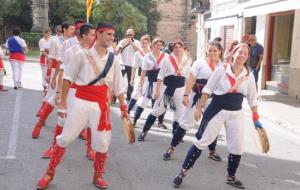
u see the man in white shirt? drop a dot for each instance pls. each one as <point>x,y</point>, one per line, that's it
<point>44,45</point>
<point>127,48</point>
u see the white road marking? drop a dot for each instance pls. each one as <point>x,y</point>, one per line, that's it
<point>292,181</point>
<point>13,137</point>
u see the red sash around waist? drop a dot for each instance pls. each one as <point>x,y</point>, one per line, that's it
<point>43,60</point>
<point>74,85</point>
<point>96,94</point>
<point>1,64</point>
<point>17,56</point>
<point>55,64</point>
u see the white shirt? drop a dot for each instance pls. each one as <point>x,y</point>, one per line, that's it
<point>128,52</point>
<point>219,84</point>
<point>150,62</point>
<point>82,73</point>
<point>19,40</point>
<point>138,59</point>
<point>66,45</point>
<point>68,54</point>
<point>167,68</point>
<point>44,44</point>
<point>55,47</point>
<point>1,53</point>
<point>201,70</point>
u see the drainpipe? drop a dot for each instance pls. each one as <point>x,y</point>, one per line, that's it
<point>200,37</point>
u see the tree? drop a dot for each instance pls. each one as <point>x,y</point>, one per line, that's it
<point>17,13</point>
<point>120,13</point>
<point>149,10</point>
<point>66,10</point>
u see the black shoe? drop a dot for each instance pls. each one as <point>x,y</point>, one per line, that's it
<point>161,125</point>
<point>142,136</point>
<point>231,180</point>
<point>15,88</point>
<point>214,156</point>
<point>178,179</point>
<point>168,154</point>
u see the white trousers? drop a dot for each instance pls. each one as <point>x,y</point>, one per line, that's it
<point>159,107</point>
<point>1,76</point>
<point>144,101</point>
<point>137,89</point>
<point>234,127</point>
<point>17,70</point>
<point>44,71</point>
<point>51,93</point>
<point>70,99</point>
<point>187,120</point>
<point>84,113</point>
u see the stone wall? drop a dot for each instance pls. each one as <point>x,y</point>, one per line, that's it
<point>40,15</point>
<point>176,22</point>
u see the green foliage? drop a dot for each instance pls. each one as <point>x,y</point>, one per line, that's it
<point>141,15</point>
<point>120,13</point>
<point>32,38</point>
<point>16,13</point>
<point>149,10</point>
<point>66,10</point>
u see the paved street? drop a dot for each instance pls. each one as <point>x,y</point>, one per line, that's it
<point>132,167</point>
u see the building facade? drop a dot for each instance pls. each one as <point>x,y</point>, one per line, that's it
<point>177,22</point>
<point>276,24</point>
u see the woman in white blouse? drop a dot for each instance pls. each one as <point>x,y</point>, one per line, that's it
<point>228,85</point>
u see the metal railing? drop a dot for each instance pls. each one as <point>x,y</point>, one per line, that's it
<point>32,38</point>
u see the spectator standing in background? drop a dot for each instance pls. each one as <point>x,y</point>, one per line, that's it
<point>255,56</point>
<point>16,46</point>
<point>127,48</point>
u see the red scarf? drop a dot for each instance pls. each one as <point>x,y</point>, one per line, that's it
<point>175,65</point>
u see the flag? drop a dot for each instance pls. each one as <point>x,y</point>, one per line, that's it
<point>89,4</point>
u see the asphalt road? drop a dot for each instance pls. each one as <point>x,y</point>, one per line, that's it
<point>131,167</point>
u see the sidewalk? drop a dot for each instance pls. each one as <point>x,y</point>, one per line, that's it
<point>281,110</point>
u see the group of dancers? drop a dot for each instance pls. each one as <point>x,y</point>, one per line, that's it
<point>84,72</point>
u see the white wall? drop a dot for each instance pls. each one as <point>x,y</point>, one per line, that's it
<point>295,54</point>
<point>262,38</point>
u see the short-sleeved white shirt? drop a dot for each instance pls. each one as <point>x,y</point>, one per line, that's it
<point>55,47</point>
<point>167,68</point>
<point>82,73</point>
<point>219,84</point>
<point>19,40</point>
<point>138,59</point>
<point>44,44</point>
<point>150,62</point>
<point>66,45</point>
<point>201,70</point>
<point>128,52</point>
